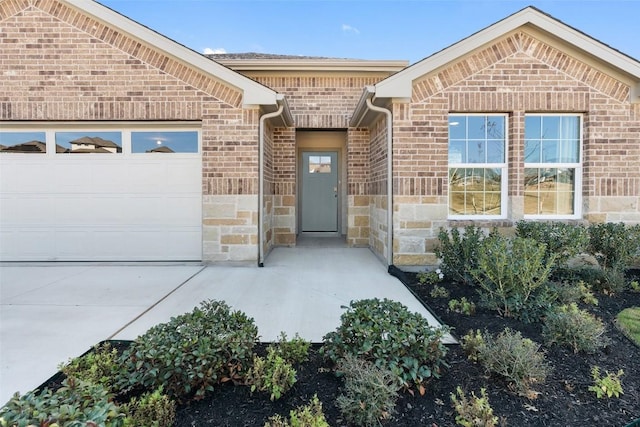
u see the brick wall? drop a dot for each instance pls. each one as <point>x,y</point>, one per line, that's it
<point>321,102</point>
<point>517,75</point>
<point>59,65</point>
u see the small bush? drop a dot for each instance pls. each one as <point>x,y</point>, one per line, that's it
<point>512,274</point>
<point>614,245</point>
<point>577,329</point>
<point>370,393</point>
<point>76,403</point>
<point>295,350</point>
<point>563,241</point>
<point>192,352</point>
<point>518,360</point>
<point>458,252</point>
<point>310,415</point>
<point>100,366</point>
<point>430,277</point>
<point>439,292</point>
<point>472,343</point>
<point>387,334</point>
<point>462,306</point>
<point>608,386</point>
<point>569,293</point>
<point>274,374</point>
<point>634,286</point>
<point>473,411</point>
<point>150,410</point>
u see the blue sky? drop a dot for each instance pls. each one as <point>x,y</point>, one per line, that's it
<point>364,29</point>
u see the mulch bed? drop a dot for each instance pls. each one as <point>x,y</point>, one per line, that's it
<point>563,401</point>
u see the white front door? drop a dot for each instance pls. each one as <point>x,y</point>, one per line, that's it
<point>319,191</point>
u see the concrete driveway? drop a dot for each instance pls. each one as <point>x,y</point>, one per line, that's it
<point>52,312</point>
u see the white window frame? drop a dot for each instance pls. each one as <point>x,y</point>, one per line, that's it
<point>502,166</point>
<point>577,191</point>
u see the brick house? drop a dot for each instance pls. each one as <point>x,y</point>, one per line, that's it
<point>221,159</point>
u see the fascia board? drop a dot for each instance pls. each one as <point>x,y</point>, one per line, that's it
<point>400,85</point>
<point>253,92</point>
<point>315,65</point>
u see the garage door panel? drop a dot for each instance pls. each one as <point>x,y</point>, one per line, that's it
<point>72,244</point>
<point>89,207</point>
<point>21,175</point>
<point>182,210</point>
<point>32,209</point>
<point>30,244</point>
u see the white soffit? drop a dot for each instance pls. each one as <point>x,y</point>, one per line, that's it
<point>400,85</point>
<point>254,93</point>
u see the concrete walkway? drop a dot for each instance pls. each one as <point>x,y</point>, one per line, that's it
<point>52,312</point>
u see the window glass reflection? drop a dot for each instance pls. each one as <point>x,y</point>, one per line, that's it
<point>319,164</point>
<point>164,142</point>
<point>90,142</point>
<point>23,142</point>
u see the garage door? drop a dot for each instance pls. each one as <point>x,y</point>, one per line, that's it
<point>100,195</point>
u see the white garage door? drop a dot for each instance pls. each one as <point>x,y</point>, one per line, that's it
<point>125,195</point>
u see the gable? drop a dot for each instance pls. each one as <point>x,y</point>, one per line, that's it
<point>521,62</point>
<point>569,44</point>
<point>92,21</point>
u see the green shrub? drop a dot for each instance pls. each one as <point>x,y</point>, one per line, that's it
<point>76,403</point>
<point>563,241</point>
<point>614,245</point>
<point>458,252</point>
<point>310,415</point>
<point>569,326</point>
<point>518,360</point>
<point>99,366</point>
<point>568,293</point>
<point>295,350</point>
<point>192,352</point>
<point>473,411</point>
<point>439,292</point>
<point>370,392</point>
<point>272,374</point>
<point>462,306</point>
<point>430,277</point>
<point>608,386</point>
<point>150,410</point>
<point>512,276</point>
<point>471,344</point>
<point>634,286</point>
<point>387,334</point>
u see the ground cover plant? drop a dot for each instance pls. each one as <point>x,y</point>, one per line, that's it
<point>553,376</point>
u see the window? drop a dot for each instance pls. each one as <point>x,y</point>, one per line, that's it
<point>23,142</point>
<point>319,164</point>
<point>553,168</point>
<point>477,166</point>
<point>89,142</point>
<point>142,140</point>
<point>164,142</point>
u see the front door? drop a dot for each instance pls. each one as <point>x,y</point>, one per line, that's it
<point>319,191</point>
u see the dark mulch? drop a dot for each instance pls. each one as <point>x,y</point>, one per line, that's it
<point>563,401</point>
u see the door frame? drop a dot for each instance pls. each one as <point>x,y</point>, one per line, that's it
<point>322,141</point>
